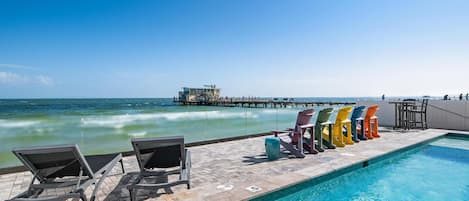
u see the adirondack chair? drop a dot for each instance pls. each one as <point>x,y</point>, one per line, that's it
<point>338,137</point>
<point>293,139</point>
<point>357,123</point>
<point>322,122</point>
<point>371,122</point>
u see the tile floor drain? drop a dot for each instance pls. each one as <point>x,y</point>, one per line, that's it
<point>254,189</point>
<point>225,187</point>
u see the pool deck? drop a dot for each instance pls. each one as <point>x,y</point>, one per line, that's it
<point>224,171</point>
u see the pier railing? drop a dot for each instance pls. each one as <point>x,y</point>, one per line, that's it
<point>260,103</point>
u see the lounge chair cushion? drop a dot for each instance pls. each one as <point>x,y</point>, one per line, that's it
<point>162,157</point>
<point>55,165</point>
<point>67,166</point>
<point>97,162</point>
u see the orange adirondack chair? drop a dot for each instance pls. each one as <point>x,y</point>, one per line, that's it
<point>371,122</point>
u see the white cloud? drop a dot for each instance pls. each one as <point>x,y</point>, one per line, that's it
<point>9,78</point>
<point>12,78</point>
<point>45,80</point>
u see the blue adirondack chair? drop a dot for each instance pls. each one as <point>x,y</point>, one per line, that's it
<point>356,118</point>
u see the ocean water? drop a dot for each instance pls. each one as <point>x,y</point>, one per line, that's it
<point>107,125</point>
<point>436,171</point>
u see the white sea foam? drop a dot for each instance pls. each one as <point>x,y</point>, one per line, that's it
<point>16,123</point>
<point>44,130</point>
<point>280,111</point>
<point>138,134</point>
<point>119,121</point>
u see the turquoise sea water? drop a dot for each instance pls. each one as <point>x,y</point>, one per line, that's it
<point>107,125</point>
<point>437,171</point>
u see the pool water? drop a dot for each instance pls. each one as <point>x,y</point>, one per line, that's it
<point>435,171</point>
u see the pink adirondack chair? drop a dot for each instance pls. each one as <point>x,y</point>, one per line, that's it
<point>292,139</point>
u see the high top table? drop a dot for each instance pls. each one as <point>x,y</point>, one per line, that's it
<point>400,113</point>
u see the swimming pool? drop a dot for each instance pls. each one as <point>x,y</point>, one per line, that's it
<point>438,170</point>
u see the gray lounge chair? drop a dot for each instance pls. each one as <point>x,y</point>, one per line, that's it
<point>157,158</point>
<point>63,166</point>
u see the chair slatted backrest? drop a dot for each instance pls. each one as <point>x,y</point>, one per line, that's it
<point>357,112</point>
<point>424,105</point>
<point>343,114</point>
<point>160,152</point>
<point>371,111</point>
<point>304,117</point>
<point>50,162</point>
<point>324,115</point>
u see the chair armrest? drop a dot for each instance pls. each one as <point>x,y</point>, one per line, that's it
<point>360,119</point>
<point>279,132</point>
<point>326,123</point>
<point>307,126</point>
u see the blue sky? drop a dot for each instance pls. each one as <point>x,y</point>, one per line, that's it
<point>76,49</point>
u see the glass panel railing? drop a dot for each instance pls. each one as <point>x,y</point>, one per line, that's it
<point>108,125</point>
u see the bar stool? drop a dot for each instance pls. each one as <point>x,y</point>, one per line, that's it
<point>421,112</point>
<point>405,115</point>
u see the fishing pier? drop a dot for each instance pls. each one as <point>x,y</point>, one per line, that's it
<point>263,103</point>
<point>210,96</point>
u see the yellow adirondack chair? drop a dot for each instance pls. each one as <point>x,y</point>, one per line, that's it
<point>342,119</point>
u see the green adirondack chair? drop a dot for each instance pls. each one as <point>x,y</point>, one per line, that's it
<point>322,122</point>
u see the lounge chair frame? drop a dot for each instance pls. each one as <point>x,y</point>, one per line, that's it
<point>183,170</point>
<point>85,178</point>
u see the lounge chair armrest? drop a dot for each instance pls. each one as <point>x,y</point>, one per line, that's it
<point>54,185</point>
<point>159,173</point>
<point>151,186</point>
<point>186,172</point>
<point>188,159</point>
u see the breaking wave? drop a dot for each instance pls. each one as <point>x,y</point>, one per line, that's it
<point>16,123</point>
<point>119,121</point>
<point>279,111</point>
<point>138,134</point>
